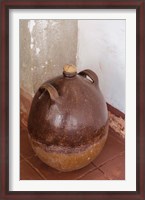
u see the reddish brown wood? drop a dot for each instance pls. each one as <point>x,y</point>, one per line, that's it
<point>139,5</point>
<point>141,103</point>
<point>3,133</point>
<point>100,3</point>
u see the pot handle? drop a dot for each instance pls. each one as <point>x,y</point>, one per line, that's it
<point>91,74</point>
<point>51,90</point>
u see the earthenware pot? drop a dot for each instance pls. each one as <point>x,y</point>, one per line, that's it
<point>68,120</point>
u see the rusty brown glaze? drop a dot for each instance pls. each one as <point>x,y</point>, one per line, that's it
<point>68,158</point>
<point>68,112</point>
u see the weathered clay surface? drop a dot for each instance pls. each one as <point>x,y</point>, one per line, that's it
<point>68,113</point>
<point>68,159</point>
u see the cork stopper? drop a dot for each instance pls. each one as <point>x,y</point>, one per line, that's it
<point>69,70</point>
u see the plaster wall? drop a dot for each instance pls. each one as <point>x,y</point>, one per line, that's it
<point>47,45</point>
<point>101,47</point>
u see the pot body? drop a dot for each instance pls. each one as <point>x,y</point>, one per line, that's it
<point>68,121</point>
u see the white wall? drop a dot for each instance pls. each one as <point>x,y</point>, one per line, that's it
<point>101,47</point>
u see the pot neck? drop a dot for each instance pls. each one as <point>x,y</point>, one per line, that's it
<point>69,71</point>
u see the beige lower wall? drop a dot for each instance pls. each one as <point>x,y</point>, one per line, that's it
<point>45,47</point>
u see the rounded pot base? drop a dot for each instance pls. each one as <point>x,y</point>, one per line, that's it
<point>65,158</point>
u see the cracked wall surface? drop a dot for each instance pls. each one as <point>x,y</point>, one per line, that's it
<point>46,45</point>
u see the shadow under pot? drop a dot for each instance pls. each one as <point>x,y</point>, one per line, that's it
<point>68,120</point>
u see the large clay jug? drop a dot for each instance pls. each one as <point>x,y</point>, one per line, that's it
<point>68,120</point>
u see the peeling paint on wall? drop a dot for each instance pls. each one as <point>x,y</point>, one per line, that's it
<point>46,46</point>
<point>31,24</point>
